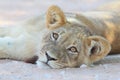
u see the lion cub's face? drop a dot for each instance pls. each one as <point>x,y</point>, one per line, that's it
<point>63,47</point>
<point>69,44</point>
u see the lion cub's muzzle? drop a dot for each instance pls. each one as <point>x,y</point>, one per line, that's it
<point>49,58</point>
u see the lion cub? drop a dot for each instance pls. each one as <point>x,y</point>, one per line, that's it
<point>61,40</point>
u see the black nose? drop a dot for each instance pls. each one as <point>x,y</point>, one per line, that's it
<point>49,58</point>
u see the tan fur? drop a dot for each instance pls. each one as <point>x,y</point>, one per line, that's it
<point>55,17</point>
<point>62,40</point>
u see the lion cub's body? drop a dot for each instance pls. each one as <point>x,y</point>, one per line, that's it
<point>27,40</point>
<point>106,24</point>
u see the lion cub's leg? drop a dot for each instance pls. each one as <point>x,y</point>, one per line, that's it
<point>5,44</point>
<point>11,31</point>
<point>20,48</point>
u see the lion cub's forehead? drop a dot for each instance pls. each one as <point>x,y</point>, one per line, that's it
<point>71,31</point>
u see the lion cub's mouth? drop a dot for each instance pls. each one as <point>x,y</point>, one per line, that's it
<point>47,61</point>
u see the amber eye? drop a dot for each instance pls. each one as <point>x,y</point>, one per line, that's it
<point>73,49</point>
<point>55,36</point>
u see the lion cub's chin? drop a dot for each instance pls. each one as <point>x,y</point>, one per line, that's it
<point>46,66</point>
<point>51,65</point>
<point>42,65</point>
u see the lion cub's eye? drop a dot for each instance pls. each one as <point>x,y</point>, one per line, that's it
<point>55,36</point>
<point>73,49</point>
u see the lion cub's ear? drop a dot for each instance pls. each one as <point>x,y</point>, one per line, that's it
<point>98,48</point>
<point>55,17</point>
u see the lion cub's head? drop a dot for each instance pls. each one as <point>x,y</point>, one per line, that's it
<point>69,43</point>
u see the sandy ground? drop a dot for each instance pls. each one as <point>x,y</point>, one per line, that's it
<point>14,11</point>
<point>14,70</point>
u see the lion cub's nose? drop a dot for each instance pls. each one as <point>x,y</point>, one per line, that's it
<point>49,58</point>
